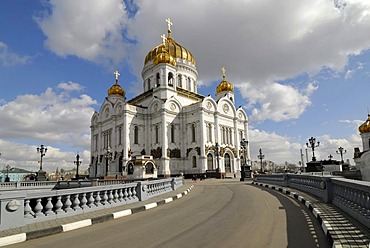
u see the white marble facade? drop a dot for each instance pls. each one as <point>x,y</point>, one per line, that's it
<point>169,120</point>
<point>362,158</point>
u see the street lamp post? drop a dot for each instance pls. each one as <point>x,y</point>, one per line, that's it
<point>243,145</point>
<point>7,179</point>
<point>341,151</point>
<point>312,145</point>
<point>42,150</point>
<point>77,163</point>
<point>108,157</point>
<point>261,157</point>
<point>217,157</point>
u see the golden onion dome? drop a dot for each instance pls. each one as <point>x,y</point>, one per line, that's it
<point>174,50</point>
<point>164,57</point>
<point>224,85</point>
<point>116,89</point>
<point>365,127</point>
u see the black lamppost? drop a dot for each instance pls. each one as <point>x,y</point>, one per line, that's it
<point>217,156</point>
<point>77,163</point>
<point>341,151</point>
<point>108,157</point>
<point>7,179</point>
<point>312,145</point>
<point>261,156</point>
<point>243,145</point>
<point>42,150</point>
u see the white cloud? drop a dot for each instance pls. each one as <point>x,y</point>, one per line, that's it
<point>70,86</point>
<point>8,58</point>
<point>88,29</point>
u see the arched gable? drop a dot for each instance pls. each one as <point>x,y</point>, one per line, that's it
<point>209,104</point>
<point>173,105</point>
<point>241,114</point>
<point>155,105</point>
<point>226,107</point>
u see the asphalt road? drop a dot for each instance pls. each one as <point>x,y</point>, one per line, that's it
<point>216,213</point>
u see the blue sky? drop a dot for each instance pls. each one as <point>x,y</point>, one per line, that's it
<point>300,69</point>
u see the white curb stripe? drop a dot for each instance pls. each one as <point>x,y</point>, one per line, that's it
<point>76,225</point>
<point>315,212</point>
<point>151,205</point>
<point>325,227</point>
<point>300,198</point>
<point>122,213</point>
<point>179,196</point>
<point>13,239</point>
<point>168,200</point>
<point>185,192</point>
<point>307,203</point>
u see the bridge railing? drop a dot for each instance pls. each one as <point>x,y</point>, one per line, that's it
<point>21,207</point>
<point>4,186</point>
<point>352,196</point>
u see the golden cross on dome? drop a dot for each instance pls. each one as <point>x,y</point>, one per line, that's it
<point>169,23</point>
<point>223,72</point>
<point>163,39</point>
<point>117,75</point>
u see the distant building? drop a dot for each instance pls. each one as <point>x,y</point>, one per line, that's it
<point>15,174</point>
<point>362,158</point>
<point>169,121</point>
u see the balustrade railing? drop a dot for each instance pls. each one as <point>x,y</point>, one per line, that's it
<point>32,206</point>
<point>352,196</point>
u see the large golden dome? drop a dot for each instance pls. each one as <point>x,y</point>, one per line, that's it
<point>163,56</point>
<point>224,85</point>
<point>365,127</point>
<point>174,50</point>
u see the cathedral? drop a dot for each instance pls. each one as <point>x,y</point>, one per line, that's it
<point>362,159</point>
<point>180,131</point>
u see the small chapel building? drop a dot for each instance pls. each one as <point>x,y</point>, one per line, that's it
<point>182,131</point>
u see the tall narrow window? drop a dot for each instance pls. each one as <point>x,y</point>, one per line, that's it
<point>158,78</point>
<point>172,133</point>
<point>179,81</point>
<point>96,142</point>
<point>209,132</point>
<point>136,135</point>
<point>170,79</point>
<point>193,132</point>
<point>194,162</point>
<point>156,134</point>
<point>231,136</point>
<point>227,163</point>
<point>119,135</point>
<point>149,84</point>
<point>210,161</point>
<point>189,84</point>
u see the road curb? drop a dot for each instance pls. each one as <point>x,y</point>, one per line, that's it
<point>324,225</point>
<point>18,238</point>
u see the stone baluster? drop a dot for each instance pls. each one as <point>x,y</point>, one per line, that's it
<point>38,208</point>
<point>120,194</point>
<point>67,204</point>
<point>110,197</point>
<point>59,205</point>
<point>49,207</point>
<point>125,195</point>
<point>28,214</point>
<point>76,203</point>
<point>105,198</point>
<point>83,201</point>
<point>134,196</point>
<point>91,200</point>
<point>98,199</point>
<point>116,196</point>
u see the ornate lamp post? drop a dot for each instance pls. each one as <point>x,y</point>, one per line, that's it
<point>7,167</point>
<point>42,150</point>
<point>77,163</point>
<point>243,145</point>
<point>312,145</point>
<point>217,156</point>
<point>261,156</point>
<point>108,157</point>
<point>341,151</point>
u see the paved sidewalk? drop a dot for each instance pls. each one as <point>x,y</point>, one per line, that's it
<point>341,229</point>
<point>50,227</point>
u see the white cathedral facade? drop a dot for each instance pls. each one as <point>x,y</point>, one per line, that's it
<point>182,131</point>
<point>362,159</point>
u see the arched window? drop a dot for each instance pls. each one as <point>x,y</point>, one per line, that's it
<point>120,165</point>
<point>210,161</point>
<point>130,169</point>
<point>119,135</point>
<point>193,132</point>
<point>149,168</point>
<point>194,162</point>
<point>189,84</point>
<point>170,79</point>
<point>136,135</point>
<point>149,87</point>
<point>172,133</point>
<point>227,163</point>
<point>158,80</point>
<point>179,81</point>
<point>209,132</point>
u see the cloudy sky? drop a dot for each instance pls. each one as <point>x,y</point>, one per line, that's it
<point>300,69</point>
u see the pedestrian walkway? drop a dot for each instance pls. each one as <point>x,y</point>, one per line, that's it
<point>50,227</point>
<point>341,229</point>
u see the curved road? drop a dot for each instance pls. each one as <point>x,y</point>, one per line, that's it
<point>216,213</point>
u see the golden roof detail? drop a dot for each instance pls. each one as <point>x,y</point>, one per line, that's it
<point>365,127</point>
<point>224,85</point>
<point>116,89</point>
<point>174,50</point>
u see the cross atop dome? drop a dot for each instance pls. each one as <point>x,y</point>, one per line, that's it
<point>163,39</point>
<point>169,24</point>
<point>223,72</point>
<point>117,75</point>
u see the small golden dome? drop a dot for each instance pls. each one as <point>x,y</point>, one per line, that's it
<point>365,127</point>
<point>116,89</point>
<point>224,85</point>
<point>174,49</point>
<point>164,57</point>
